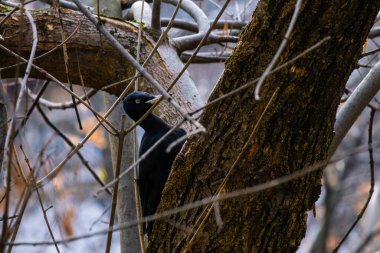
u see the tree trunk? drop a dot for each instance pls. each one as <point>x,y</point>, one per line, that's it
<point>126,208</point>
<point>294,133</point>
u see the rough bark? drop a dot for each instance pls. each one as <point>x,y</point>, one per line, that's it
<point>294,133</point>
<point>100,64</point>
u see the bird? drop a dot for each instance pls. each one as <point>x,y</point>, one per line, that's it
<point>154,169</point>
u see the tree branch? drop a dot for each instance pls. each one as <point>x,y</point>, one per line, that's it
<point>193,27</point>
<point>190,41</point>
<point>354,105</point>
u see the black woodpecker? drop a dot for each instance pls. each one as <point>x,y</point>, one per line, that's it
<point>155,168</point>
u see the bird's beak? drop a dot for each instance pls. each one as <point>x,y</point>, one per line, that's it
<point>154,100</point>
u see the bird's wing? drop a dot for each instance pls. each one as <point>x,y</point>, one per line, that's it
<point>155,168</point>
<point>177,133</point>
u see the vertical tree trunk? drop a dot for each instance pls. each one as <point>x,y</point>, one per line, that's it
<point>294,133</point>
<point>126,211</point>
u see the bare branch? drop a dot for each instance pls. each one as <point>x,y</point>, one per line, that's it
<point>188,41</point>
<point>249,84</point>
<point>204,38</point>
<point>49,76</point>
<point>208,210</point>
<point>372,169</point>
<point>51,174</point>
<point>354,105</point>
<point>211,199</point>
<point>141,157</point>
<point>374,32</point>
<point>156,17</point>
<point>13,126</point>
<point>6,163</point>
<point>205,57</point>
<point>135,64</point>
<point>193,27</point>
<point>68,142</point>
<point>116,188</point>
<point>33,179</point>
<point>24,201</point>
<point>61,105</point>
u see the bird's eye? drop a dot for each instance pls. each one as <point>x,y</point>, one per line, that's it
<point>137,101</point>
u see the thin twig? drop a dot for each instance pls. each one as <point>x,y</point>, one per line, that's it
<point>125,54</point>
<point>249,84</point>
<point>141,157</point>
<point>49,76</point>
<point>56,170</point>
<point>48,52</point>
<point>205,201</point>
<point>40,93</point>
<point>179,226</point>
<point>20,215</point>
<point>199,46</point>
<point>15,8</point>
<point>188,63</point>
<point>87,96</point>
<point>66,61</point>
<point>33,179</point>
<point>181,139</point>
<point>10,217</point>
<point>367,240</point>
<point>372,168</point>
<point>117,83</point>
<point>68,142</point>
<point>116,187</point>
<point>136,185</point>
<point>24,199</point>
<point>370,52</point>
<point>75,149</point>
<point>10,134</point>
<point>51,175</point>
<point>208,210</point>
<point>41,152</point>
<point>100,217</point>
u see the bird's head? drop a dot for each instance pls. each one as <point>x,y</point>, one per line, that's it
<point>137,104</point>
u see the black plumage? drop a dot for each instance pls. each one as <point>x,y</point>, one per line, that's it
<point>155,168</point>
